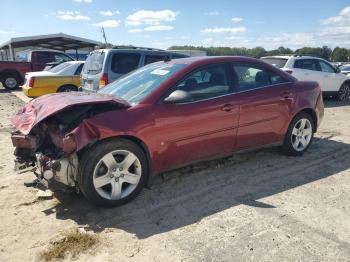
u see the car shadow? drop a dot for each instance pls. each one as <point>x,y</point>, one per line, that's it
<point>331,103</point>
<point>188,195</point>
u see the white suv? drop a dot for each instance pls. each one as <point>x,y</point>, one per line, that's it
<point>331,80</point>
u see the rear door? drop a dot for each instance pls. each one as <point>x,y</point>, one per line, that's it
<point>93,70</point>
<point>307,69</point>
<point>266,100</point>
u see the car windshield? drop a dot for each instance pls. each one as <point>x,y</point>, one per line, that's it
<point>136,85</point>
<point>59,68</point>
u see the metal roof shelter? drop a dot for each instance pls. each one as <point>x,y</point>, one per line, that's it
<point>60,41</point>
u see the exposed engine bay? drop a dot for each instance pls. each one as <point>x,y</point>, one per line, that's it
<point>49,149</point>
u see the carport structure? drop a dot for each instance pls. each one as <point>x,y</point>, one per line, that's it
<point>60,41</point>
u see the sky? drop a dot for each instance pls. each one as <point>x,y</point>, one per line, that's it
<point>161,24</point>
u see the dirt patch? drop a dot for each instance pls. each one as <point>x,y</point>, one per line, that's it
<point>70,244</point>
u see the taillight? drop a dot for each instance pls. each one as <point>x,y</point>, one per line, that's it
<point>104,80</point>
<point>289,71</point>
<point>31,81</point>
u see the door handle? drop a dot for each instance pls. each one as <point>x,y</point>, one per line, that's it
<point>286,94</point>
<point>227,108</point>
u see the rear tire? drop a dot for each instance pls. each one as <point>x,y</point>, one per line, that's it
<point>299,135</point>
<point>113,172</point>
<point>11,81</point>
<point>344,92</point>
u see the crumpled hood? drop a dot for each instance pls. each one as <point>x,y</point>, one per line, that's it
<point>44,106</point>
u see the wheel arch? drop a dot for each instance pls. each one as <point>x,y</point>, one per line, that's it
<point>347,81</point>
<point>6,72</point>
<point>312,113</point>
<point>133,139</point>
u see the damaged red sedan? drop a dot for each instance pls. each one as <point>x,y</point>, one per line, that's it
<point>161,117</point>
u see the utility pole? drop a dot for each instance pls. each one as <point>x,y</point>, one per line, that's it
<point>104,35</point>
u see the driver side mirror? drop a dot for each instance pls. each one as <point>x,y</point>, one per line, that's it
<point>337,70</point>
<point>178,96</point>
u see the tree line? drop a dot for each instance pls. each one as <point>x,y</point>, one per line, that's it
<point>337,54</point>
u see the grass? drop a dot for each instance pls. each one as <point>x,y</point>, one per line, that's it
<point>73,243</point>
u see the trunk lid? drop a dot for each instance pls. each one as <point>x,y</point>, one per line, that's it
<point>44,106</point>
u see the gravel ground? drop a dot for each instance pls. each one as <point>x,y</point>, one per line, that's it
<point>256,206</point>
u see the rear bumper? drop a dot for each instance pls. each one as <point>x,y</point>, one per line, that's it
<point>37,91</point>
<point>319,108</point>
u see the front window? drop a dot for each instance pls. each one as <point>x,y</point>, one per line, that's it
<point>209,82</point>
<point>136,85</point>
<point>325,67</point>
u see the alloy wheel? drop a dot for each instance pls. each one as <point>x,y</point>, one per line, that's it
<point>117,174</point>
<point>301,134</point>
<point>11,82</point>
<point>344,92</point>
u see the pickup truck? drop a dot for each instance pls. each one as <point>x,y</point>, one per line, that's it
<point>12,73</point>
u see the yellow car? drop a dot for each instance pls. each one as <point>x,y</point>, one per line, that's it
<point>62,78</point>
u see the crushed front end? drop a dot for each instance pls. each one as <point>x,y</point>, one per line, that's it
<point>45,140</point>
<point>48,152</point>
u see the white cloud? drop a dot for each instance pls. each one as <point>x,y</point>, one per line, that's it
<point>108,23</point>
<point>159,28</point>
<point>150,17</point>
<point>83,1</point>
<point>224,30</point>
<point>3,32</point>
<point>213,13</point>
<point>152,28</point>
<point>236,19</point>
<point>71,15</point>
<point>109,13</point>
<point>342,18</point>
<point>136,30</point>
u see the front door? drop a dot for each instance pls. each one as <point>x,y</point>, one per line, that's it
<point>202,128</point>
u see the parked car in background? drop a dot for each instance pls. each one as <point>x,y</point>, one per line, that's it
<point>106,65</point>
<point>345,69</point>
<point>62,78</point>
<point>160,117</point>
<point>12,73</point>
<point>332,81</point>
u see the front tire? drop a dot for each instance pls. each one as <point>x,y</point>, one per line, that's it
<point>344,92</point>
<point>113,172</point>
<point>299,135</point>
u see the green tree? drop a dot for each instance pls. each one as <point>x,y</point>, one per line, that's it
<point>340,54</point>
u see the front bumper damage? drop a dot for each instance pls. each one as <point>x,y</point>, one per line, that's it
<point>46,168</point>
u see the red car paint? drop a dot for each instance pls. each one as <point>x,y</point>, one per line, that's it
<point>175,135</point>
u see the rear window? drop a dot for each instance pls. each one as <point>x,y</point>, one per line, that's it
<point>277,62</point>
<point>59,67</point>
<point>123,63</point>
<point>94,63</point>
<point>149,59</point>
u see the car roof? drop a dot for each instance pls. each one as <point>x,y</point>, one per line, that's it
<point>212,59</point>
<point>75,62</point>
<point>278,56</point>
